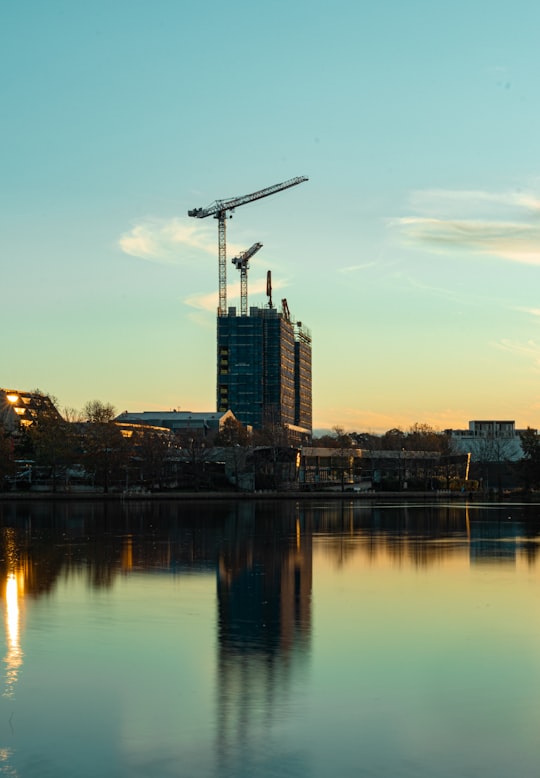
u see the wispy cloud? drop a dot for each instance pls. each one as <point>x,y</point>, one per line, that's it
<point>529,350</point>
<point>356,268</point>
<point>168,240</point>
<point>531,311</point>
<point>504,225</point>
<point>208,301</point>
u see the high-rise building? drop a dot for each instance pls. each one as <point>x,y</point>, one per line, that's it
<point>302,378</point>
<point>264,370</point>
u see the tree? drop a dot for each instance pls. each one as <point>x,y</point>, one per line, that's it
<point>423,437</point>
<point>72,415</point>
<point>393,440</point>
<point>234,437</point>
<point>343,445</point>
<point>493,453</point>
<point>106,451</point>
<point>53,444</point>
<point>324,441</point>
<point>97,412</point>
<point>271,466</point>
<point>530,463</point>
<point>7,458</point>
<point>232,433</point>
<point>152,449</point>
<point>366,440</point>
<point>196,451</point>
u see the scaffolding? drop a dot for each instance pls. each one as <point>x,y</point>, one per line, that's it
<point>264,369</point>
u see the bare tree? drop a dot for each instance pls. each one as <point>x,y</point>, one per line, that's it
<point>98,412</point>
<point>53,444</point>
<point>344,449</point>
<point>72,415</point>
<point>153,450</point>
<point>106,451</point>
<point>7,456</point>
<point>530,463</point>
<point>491,452</point>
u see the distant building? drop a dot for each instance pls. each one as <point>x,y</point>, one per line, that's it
<point>359,469</point>
<point>19,409</point>
<point>489,441</point>
<point>264,370</point>
<point>178,421</point>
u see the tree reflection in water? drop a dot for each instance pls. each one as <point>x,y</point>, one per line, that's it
<point>262,556</point>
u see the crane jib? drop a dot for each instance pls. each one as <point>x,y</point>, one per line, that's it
<point>220,206</point>
<point>219,211</point>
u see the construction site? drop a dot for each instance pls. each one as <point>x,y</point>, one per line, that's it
<point>264,373</point>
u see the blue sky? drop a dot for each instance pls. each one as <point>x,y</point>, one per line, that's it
<point>412,252</point>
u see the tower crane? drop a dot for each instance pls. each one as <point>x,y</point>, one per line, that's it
<point>218,210</point>
<point>241,262</point>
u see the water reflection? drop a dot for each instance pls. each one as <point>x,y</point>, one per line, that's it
<point>264,613</point>
<point>113,539</point>
<point>260,564</point>
<point>13,591</point>
<point>6,768</point>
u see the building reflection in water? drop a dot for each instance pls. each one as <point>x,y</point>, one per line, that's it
<point>13,591</point>
<point>127,554</point>
<point>264,586</point>
<point>262,555</point>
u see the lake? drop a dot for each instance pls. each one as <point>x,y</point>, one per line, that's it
<point>269,639</point>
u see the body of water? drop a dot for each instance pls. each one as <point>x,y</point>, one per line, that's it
<point>269,639</point>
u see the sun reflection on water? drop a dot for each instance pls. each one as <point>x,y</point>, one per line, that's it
<point>5,767</point>
<point>13,595</point>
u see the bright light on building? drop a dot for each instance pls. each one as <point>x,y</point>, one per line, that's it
<point>13,398</point>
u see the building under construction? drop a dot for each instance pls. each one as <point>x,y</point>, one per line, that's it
<point>263,357</point>
<point>264,370</point>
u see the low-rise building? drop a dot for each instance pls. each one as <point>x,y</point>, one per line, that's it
<point>488,441</point>
<point>19,409</point>
<point>200,423</point>
<point>362,468</point>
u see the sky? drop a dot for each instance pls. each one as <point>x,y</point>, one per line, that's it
<point>412,252</point>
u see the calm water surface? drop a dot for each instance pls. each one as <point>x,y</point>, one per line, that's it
<point>269,640</point>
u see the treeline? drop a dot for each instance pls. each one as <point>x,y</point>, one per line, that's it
<point>90,445</point>
<point>491,461</point>
<point>419,437</point>
<point>87,443</point>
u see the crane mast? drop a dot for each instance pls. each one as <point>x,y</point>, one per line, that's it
<point>241,263</point>
<point>219,210</point>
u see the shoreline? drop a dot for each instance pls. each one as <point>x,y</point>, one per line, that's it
<point>349,496</point>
